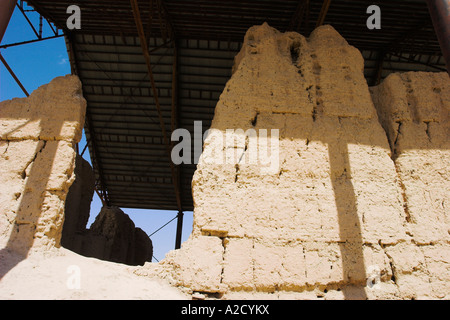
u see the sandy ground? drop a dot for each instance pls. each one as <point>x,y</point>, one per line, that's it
<point>62,274</point>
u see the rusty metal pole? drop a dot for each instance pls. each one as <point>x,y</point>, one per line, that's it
<point>11,72</point>
<point>6,11</point>
<point>323,13</point>
<point>440,15</point>
<point>179,230</point>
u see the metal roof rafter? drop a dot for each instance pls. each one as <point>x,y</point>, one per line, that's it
<point>145,51</point>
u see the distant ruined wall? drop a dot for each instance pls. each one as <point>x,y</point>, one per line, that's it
<point>340,215</point>
<point>78,203</point>
<point>37,156</point>
<point>124,242</point>
<point>112,237</point>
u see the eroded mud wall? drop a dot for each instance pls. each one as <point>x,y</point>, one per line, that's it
<point>326,214</point>
<point>37,156</point>
<point>414,109</point>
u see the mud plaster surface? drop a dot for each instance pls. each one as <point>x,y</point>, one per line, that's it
<point>356,207</point>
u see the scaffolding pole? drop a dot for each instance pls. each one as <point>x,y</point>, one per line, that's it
<point>6,11</point>
<point>440,15</point>
<point>179,230</point>
<point>11,72</point>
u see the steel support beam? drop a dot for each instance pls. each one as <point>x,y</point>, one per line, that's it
<point>145,51</point>
<point>102,191</point>
<point>400,57</point>
<point>323,13</point>
<point>100,187</point>
<point>39,33</point>
<point>13,75</point>
<point>297,19</point>
<point>174,126</point>
<point>6,11</point>
<point>179,230</point>
<point>29,41</point>
<point>379,68</point>
<point>174,116</point>
<point>440,15</point>
<point>166,32</point>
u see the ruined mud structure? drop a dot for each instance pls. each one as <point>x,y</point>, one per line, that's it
<point>38,136</point>
<point>362,186</point>
<point>357,207</point>
<point>38,166</point>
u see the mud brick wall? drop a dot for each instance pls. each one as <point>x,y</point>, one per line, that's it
<point>337,215</point>
<point>37,158</point>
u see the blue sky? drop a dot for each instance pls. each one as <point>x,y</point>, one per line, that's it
<point>36,64</point>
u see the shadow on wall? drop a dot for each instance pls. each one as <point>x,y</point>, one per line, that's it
<point>369,201</point>
<point>37,139</point>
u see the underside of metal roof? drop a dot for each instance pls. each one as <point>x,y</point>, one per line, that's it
<point>135,100</point>
<point>123,121</point>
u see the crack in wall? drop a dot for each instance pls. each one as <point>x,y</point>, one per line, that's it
<point>255,119</point>
<point>427,130</point>
<point>24,172</point>
<point>411,98</point>
<point>224,245</point>
<point>391,260</point>
<point>295,52</point>
<point>395,153</point>
<point>403,193</point>
<point>7,146</point>
<point>318,106</point>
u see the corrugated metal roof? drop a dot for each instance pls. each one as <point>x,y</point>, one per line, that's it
<point>124,135</point>
<point>128,138</point>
